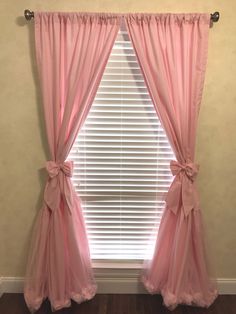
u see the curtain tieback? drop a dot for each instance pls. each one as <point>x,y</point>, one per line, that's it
<point>59,185</point>
<point>54,168</point>
<point>182,192</point>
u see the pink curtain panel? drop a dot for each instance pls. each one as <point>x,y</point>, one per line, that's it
<point>172,53</point>
<point>72,50</point>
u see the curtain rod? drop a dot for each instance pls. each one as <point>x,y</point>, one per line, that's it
<point>30,15</point>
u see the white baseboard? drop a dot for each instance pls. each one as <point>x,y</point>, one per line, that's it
<point>112,284</point>
<point>226,285</point>
<point>11,285</point>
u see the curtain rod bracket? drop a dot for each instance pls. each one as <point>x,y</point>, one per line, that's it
<point>30,15</point>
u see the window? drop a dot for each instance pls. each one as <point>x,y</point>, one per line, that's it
<point>121,161</point>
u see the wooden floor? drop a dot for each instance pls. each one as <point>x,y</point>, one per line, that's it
<point>118,304</point>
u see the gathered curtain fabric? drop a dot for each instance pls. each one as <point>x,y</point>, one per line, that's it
<point>72,50</point>
<point>172,53</point>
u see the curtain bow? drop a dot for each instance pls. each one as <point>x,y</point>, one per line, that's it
<point>189,168</point>
<point>182,192</point>
<point>59,185</point>
<point>53,168</point>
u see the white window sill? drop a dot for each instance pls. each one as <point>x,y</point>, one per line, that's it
<point>109,264</point>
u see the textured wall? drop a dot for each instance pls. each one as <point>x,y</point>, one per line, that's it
<point>22,139</point>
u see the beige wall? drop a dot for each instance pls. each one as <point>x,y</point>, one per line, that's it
<point>22,139</point>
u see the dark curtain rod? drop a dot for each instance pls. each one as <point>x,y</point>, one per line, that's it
<point>30,15</point>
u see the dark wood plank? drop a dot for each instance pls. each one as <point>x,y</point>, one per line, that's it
<point>118,304</point>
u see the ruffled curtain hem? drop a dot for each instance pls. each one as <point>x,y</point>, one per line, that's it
<point>171,300</point>
<point>86,294</point>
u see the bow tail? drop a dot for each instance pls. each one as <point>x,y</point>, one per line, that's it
<point>173,198</point>
<point>68,193</point>
<point>182,194</point>
<point>56,188</point>
<point>189,196</point>
<point>52,193</point>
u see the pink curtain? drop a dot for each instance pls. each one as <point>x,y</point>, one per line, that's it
<point>172,52</point>
<point>72,50</point>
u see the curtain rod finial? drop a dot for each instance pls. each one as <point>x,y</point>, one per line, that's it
<point>28,14</point>
<point>215,16</point>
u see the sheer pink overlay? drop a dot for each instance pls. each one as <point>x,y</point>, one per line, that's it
<point>72,50</point>
<point>172,52</point>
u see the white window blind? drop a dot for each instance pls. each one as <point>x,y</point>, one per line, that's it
<point>121,161</point>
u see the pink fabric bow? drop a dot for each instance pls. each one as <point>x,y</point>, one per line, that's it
<point>182,192</point>
<point>190,169</point>
<point>59,184</point>
<point>53,168</point>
